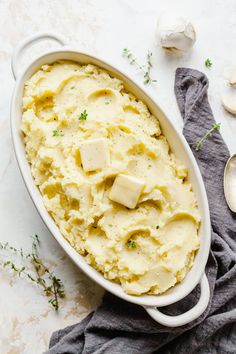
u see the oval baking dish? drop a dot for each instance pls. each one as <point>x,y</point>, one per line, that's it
<point>178,145</point>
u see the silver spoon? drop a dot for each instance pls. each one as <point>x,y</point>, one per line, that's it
<point>230,182</point>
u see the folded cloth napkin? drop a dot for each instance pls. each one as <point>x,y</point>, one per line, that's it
<point>120,327</point>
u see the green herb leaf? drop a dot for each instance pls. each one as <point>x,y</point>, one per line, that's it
<point>208,63</point>
<point>132,244</point>
<point>215,126</point>
<point>57,132</point>
<point>83,115</point>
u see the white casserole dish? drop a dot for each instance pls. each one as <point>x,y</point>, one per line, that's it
<point>178,145</point>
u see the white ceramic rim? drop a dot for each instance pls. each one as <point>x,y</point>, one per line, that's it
<point>196,274</point>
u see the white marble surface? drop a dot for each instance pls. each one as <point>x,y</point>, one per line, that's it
<point>102,27</point>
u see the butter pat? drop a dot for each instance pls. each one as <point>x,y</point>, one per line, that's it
<point>94,154</point>
<point>126,190</point>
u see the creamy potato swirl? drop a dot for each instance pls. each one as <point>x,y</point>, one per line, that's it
<point>146,249</point>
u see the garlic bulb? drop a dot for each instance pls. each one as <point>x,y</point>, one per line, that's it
<point>176,34</point>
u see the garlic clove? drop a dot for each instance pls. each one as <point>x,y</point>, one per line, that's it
<point>176,34</point>
<point>232,81</point>
<point>229,103</point>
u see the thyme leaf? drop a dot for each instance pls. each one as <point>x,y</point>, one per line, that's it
<point>132,244</point>
<point>83,115</point>
<point>57,132</point>
<point>208,63</point>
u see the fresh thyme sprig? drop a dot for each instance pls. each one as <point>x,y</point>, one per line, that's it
<point>146,69</point>
<point>40,274</point>
<point>215,126</point>
<point>147,75</point>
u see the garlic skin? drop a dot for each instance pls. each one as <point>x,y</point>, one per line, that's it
<point>176,34</point>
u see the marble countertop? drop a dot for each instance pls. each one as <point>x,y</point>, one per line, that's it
<point>104,28</point>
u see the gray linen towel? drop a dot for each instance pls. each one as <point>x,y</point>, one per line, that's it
<point>120,327</point>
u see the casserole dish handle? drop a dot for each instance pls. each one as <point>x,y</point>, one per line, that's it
<point>30,41</point>
<point>180,320</point>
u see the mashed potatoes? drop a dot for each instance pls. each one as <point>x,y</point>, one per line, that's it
<point>108,177</point>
